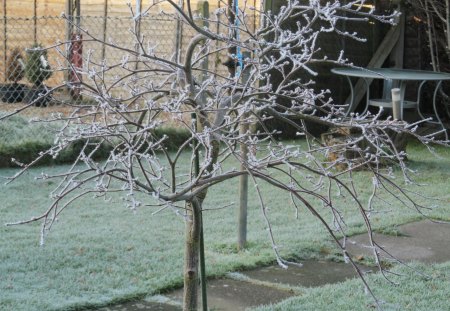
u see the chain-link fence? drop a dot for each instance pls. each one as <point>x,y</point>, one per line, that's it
<point>19,70</point>
<point>25,69</point>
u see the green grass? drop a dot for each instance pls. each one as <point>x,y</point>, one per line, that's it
<point>413,292</point>
<point>99,252</point>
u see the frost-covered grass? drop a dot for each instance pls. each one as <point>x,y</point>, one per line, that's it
<point>24,140</point>
<point>100,252</point>
<point>413,292</point>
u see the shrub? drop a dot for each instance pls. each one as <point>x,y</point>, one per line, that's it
<point>176,136</point>
<point>37,68</point>
<point>24,141</point>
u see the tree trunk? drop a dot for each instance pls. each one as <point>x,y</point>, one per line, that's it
<point>191,259</point>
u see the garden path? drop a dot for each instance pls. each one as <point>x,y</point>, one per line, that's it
<point>424,241</point>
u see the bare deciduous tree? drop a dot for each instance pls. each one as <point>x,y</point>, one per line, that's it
<point>131,106</point>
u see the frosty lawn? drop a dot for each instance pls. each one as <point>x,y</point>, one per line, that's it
<point>100,252</point>
<point>415,292</point>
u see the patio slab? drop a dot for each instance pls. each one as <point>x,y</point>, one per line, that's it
<point>227,294</point>
<point>141,305</point>
<point>262,285</point>
<point>312,274</point>
<point>424,241</point>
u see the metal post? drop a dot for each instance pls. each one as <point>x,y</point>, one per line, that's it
<point>243,179</point>
<point>5,39</point>
<point>231,63</point>
<point>35,21</point>
<point>235,67</point>
<point>69,28</point>
<point>78,15</point>
<point>216,64</point>
<point>203,9</point>
<point>138,30</point>
<point>74,46</point>
<point>105,19</point>
<point>243,188</point>
<point>254,16</point>
<point>69,24</point>
<point>179,34</point>
<point>397,110</point>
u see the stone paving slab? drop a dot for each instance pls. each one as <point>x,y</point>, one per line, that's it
<point>231,294</point>
<point>141,305</point>
<point>311,274</point>
<point>228,294</point>
<point>421,241</point>
<point>424,241</point>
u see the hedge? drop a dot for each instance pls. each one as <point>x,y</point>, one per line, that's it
<point>23,141</point>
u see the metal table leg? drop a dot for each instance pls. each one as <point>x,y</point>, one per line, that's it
<point>439,121</point>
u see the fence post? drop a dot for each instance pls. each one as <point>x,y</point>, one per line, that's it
<point>35,21</point>
<point>203,9</point>
<point>5,40</point>
<point>69,30</point>
<point>179,34</point>
<point>74,46</point>
<point>216,61</point>
<point>137,30</point>
<point>105,20</point>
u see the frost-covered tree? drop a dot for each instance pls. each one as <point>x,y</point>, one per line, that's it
<point>131,106</point>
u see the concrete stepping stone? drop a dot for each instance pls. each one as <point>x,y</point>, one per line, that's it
<point>141,305</point>
<point>424,241</point>
<point>269,285</point>
<point>229,294</point>
<point>241,290</point>
<point>313,273</point>
<point>238,291</point>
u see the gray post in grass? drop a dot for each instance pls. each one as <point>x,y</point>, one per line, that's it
<point>243,179</point>
<point>243,190</point>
